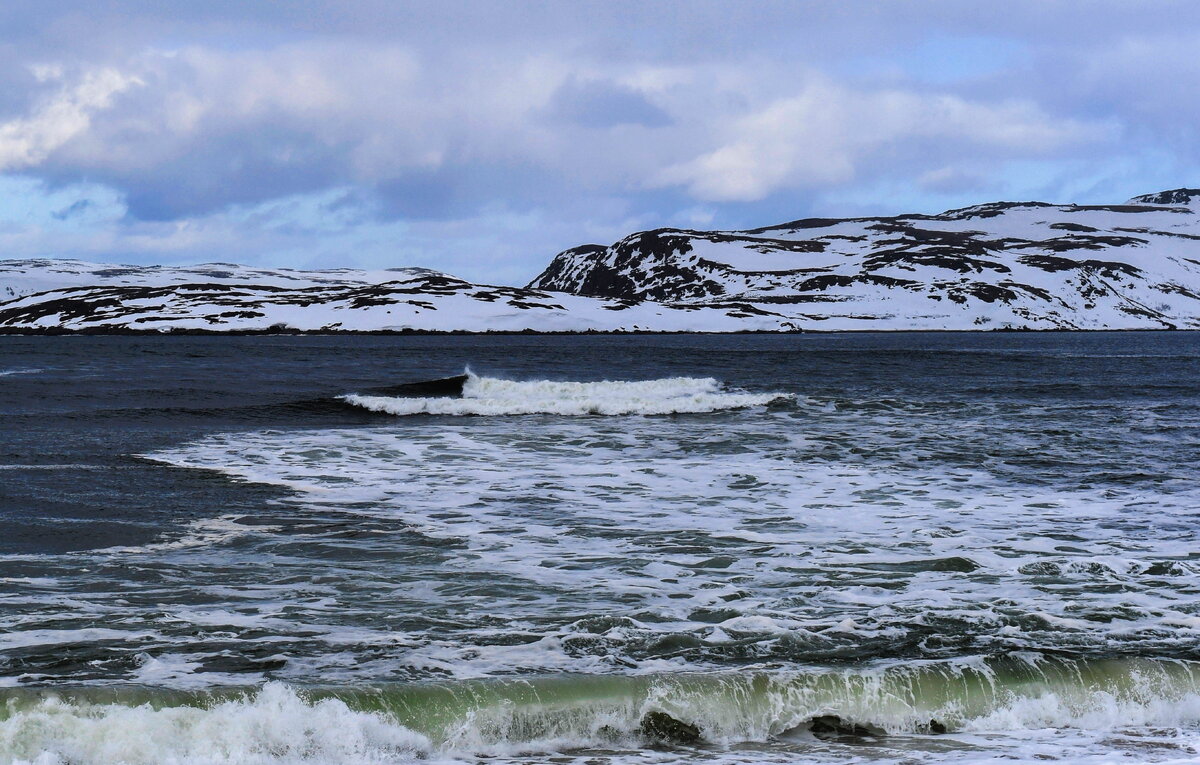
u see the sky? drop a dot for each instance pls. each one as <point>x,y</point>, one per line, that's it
<point>481,137</point>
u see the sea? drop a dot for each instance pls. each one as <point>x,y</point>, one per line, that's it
<point>868,548</point>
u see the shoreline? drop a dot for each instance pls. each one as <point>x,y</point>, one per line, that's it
<point>274,332</point>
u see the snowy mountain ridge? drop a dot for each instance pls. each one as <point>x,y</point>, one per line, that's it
<point>1004,264</point>
<point>1000,265</point>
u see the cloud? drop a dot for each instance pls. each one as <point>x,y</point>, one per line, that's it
<point>208,128</point>
<point>597,103</point>
<point>28,141</point>
<point>951,179</point>
<point>829,135</point>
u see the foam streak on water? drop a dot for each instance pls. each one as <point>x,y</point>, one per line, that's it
<point>638,545</point>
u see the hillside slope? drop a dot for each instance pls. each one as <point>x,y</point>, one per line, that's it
<point>1019,265</point>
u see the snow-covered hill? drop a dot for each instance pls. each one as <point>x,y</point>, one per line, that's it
<point>1019,265</point>
<point>1000,265</point>
<point>73,295</point>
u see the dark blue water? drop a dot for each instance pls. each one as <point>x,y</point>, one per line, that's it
<point>79,408</point>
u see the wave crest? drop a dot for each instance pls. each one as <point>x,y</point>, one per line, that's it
<point>1011,696</point>
<point>495,396</point>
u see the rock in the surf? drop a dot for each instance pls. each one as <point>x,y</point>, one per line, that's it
<point>832,726</point>
<point>664,727</point>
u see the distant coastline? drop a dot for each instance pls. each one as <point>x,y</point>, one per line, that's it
<point>998,266</point>
<point>289,332</point>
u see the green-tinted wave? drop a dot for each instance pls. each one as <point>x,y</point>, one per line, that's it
<point>385,721</point>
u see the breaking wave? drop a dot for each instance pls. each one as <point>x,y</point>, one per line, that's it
<point>278,723</point>
<point>274,725</point>
<point>495,396</point>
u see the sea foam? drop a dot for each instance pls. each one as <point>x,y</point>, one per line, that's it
<point>738,542</point>
<point>496,396</point>
<point>273,725</point>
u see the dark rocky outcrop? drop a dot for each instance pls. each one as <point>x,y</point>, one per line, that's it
<point>1172,197</point>
<point>661,726</point>
<point>832,726</point>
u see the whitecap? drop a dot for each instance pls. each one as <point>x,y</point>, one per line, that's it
<point>495,396</point>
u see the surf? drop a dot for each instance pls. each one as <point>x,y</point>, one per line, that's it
<point>275,723</point>
<point>472,394</point>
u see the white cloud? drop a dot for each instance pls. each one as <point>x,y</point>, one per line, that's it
<point>27,141</point>
<point>829,134</point>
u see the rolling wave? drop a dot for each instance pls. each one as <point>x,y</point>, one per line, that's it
<point>495,396</point>
<point>1000,696</point>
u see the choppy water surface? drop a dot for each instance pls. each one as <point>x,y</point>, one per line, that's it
<point>239,550</point>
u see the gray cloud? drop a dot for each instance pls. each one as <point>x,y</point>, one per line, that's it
<point>596,103</point>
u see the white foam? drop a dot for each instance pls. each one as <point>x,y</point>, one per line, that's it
<point>205,532</point>
<point>273,726</point>
<point>494,396</point>
<point>26,638</point>
<point>8,372</point>
<point>784,545</point>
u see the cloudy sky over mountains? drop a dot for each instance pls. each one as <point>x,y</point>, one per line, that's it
<point>481,138</point>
